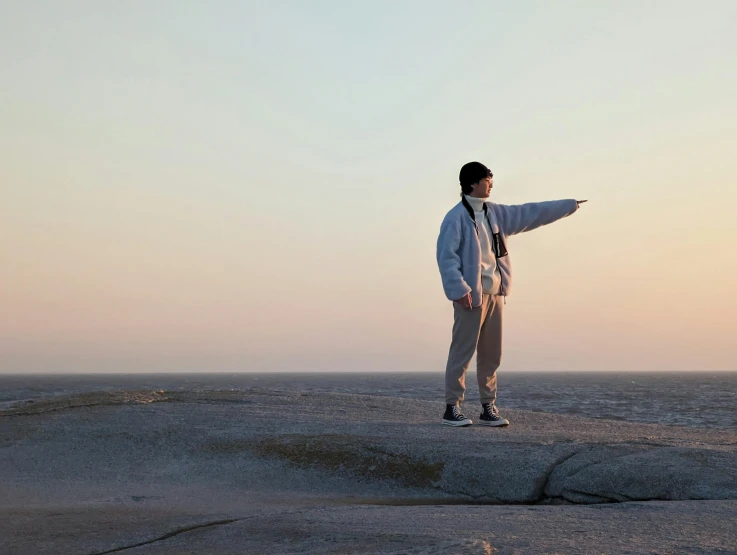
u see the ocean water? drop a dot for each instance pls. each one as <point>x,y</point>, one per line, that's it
<point>699,399</point>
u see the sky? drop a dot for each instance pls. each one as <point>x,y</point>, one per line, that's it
<point>259,186</point>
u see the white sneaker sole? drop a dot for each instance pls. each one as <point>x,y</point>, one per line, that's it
<point>497,424</point>
<point>461,424</point>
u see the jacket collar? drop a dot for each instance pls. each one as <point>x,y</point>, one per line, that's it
<point>468,208</point>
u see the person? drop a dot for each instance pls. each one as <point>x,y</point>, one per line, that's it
<point>476,274</point>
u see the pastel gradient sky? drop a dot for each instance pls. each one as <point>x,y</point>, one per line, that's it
<point>258,186</point>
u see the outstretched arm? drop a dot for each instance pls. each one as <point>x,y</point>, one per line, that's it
<point>526,217</point>
<point>449,260</point>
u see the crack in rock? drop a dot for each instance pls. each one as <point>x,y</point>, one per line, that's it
<point>546,477</point>
<point>172,534</point>
<point>460,494</point>
<point>592,498</point>
<point>630,473</point>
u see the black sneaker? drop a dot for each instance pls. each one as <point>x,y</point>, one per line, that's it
<point>490,416</point>
<point>454,417</point>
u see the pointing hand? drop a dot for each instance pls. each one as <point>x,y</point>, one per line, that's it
<point>580,202</point>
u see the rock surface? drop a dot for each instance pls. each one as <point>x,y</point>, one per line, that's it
<point>284,472</point>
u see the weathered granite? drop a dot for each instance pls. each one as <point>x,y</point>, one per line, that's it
<point>636,473</point>
<point>268,459</point>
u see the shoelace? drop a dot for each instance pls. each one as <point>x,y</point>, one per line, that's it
<point>457,413</point>
<point>491,411</point>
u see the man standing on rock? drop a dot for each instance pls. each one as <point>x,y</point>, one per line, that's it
<point>476,274</point>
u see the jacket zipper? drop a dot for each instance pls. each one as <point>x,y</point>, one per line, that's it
<point>494,247</point>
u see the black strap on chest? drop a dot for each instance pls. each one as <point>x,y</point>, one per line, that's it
<point>497,242</point>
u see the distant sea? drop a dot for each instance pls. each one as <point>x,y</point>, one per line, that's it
<point>698,399</point>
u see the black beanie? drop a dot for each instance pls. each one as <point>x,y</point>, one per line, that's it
<point>473,172</point>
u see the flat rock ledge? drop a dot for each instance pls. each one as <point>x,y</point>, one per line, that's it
<point>365,449</point>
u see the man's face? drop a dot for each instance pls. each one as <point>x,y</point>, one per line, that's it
<point>482,189</point>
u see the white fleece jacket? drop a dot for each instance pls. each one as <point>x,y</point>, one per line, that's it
<point>459,247</point>
<point>490,276</point>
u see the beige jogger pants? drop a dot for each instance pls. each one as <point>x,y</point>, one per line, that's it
<point>479,330</point>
